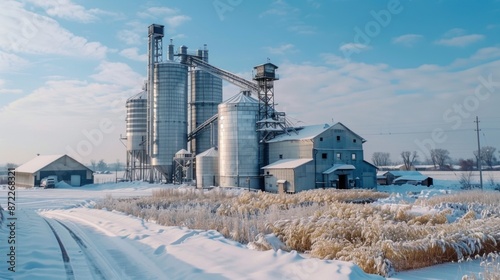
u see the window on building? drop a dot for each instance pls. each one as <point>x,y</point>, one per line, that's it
<point>354,140</point>
<point>281,156</point>
<point>353,156</point>
<point>338,137</point>
<point>321,139</point>
<point>339,156</point>
<point>324,155</point>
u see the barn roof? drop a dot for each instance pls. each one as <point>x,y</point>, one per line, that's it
<point>412,178</point>
<point>40,162</point>
<point>287,163</point>
<point>304,133</point>
<point>336,167</point>
<point>310,132</point>
<point>37,163</point>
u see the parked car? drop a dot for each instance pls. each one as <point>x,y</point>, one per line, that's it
<point>48,182</point>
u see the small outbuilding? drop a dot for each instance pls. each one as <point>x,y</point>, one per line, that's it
<point>64,167</point>
<point>289,175</point>
<point>397,177</point>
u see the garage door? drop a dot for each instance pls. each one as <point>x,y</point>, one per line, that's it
<point>75,180</point>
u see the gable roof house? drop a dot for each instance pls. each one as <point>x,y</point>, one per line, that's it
<point>318,156</point>
<point>398,177</point>
<point>63,166</point>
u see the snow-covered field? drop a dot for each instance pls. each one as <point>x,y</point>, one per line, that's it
<point>59,235</point>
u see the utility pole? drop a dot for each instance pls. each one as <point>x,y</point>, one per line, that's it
<point>479,166</point>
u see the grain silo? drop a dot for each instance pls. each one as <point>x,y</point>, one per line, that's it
<point>206,95</point>
<point>239,142</point>
<point>207,168</point>
<point>136,135</point>
<point>169,115</point>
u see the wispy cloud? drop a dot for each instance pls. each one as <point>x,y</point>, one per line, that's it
<point>153,12</point>
<point>10,62</point>
<point>280,8</point>
<point>291,16</point>
<point>281,50</point>
<point>70,11</point>
<point>175,21</point>
<point>481,55</point>
<point>408,39</point>
<point>172,17</point>
<point>456,38</point>
<point>133,53</point>
<point>354,47</point>
<point>4,90</point>
<point>133,33</point>
<point>26,32</point>
<point>117,73</point>
<point>67,107</point>
<point>364,96</point>
<point>302,29</point>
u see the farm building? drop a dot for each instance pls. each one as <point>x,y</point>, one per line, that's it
<point>318,156</point>
<point>403,177</point>
<point>64,167</point>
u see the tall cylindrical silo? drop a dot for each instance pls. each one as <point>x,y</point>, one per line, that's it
<point>206,95</point>
<point>239,142</point>
<point>169,124</point>
<point>207,168</point>
<point>136,122</point>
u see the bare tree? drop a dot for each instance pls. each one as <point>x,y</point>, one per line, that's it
<point>11,165</point>
<point>117,165</point>
<point>466,164</point>
<point>381,159</point>
<point>409,159</point>
<point>487,156</point>
<point>465,180</point>
<point>439,157</point>
<point>93,163</point>
<point>101,165</point>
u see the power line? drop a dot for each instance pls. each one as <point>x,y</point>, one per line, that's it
<point>424,132</point>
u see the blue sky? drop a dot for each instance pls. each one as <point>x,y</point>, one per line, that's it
<point>405,75</point>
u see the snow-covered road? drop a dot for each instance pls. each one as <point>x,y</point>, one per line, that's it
<point>58,236</point>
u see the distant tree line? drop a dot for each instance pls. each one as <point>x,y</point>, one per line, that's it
<point>441,159</point>
<point>101,165</point>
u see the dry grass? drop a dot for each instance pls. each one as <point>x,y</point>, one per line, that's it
<point>379,238</point>
<point>238,215</point>
<point>491,268</point>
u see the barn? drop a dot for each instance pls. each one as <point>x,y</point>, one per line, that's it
<point>64,167</point>
<point>318,156</point>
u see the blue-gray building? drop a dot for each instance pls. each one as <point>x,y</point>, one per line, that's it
<point>318,156</point>
<point>64,167</point>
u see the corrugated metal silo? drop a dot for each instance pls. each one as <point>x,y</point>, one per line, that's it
<point>136,122</point>
<point>206,95</point>
<point>169,124</point>
<point>207,168</point>
<point>238,142</point>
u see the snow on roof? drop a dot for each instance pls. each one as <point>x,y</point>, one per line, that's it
<point>336,167</point>
<point>240,98</point>
<point>411,178</point>
<point>398,173</point>
<point>141,95</point>
<point>182,152</point>
<point>212,152</point>
<point>37,163</point>
<point>304,133</point>
<point>287,163</point>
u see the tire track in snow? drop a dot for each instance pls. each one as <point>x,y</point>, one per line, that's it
<point>118,256</point>
<point>67,264</point>
<point>83,246</point>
